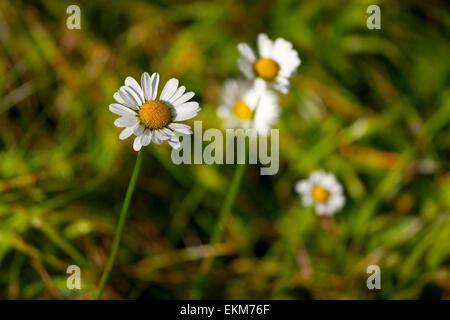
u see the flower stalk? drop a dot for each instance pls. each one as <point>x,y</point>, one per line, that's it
<point>120,227</point>
<point>224,214</point>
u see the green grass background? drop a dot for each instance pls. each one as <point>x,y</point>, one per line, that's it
<point>372,106</point>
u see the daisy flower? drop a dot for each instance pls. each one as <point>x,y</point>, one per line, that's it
<point>151,118</point>
<point>276,62</point>
<point>248,105</point>
<point>322,190</point>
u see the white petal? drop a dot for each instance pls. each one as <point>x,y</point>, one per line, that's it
<point>174,143</point>
<point>129,81</point>
<point>223,111</point>
<point>286,65</point>
<point>168,133</point>
<point>121,110</point>
<point>126,133</point>
<point>158,137</point>
<point>307,200</point>
<point>185,97</point>
<point>128,93</point>
<point>139,129</point>
<point>246,52</point>
<point>336,187</point>
<point>338,201</point>
<point>154,81</point>
<point>180,127</point>
<point>185,116</point>
<point>246,68</point>
<point>190,106</point>
<point>146,137</point>
<point>146,86</point>
<point>302,187</point>
<point>123,98</point>
<point>316,177</point>
<point>264,45</point>
<point>321,209</point>
<point>281,48</point>
<point>118,98</point>
<point>260,86</point>
<point>133,94</point>
<point>329,208</point>
<point>267,112</point>
<point>177,94</point>
<point>185,111</point>
<point>169,89</point>
<point>328,181</point>
<point>283,88</point>
<point>137,144</point>
<point>123,122</point>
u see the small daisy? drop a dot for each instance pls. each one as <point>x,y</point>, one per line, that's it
<point>276,62</point>
<point>322,190</point>
<point>248,105</point>
<point>149,118</point>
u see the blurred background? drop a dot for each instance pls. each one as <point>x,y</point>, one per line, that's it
<point>371,106</point>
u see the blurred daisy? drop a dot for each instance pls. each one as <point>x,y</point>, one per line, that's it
<point>276,62</point>
<point>322,190</point>
<point>248,104</point>
<point>150,118</point>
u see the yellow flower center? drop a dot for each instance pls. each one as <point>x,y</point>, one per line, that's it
<point>242,110</point>
<point>155,114</point>
<point>319,194</point>
<point>266,68</point>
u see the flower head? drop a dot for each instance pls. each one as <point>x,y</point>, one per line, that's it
<point>322,190</point>
<point>276,62</point>
<point>151,118</point>
<point>248,105</point>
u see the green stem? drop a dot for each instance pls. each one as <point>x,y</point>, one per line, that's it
<point>224,213</point>
<point>120,226</point>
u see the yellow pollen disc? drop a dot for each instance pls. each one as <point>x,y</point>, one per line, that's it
<point>155,114</point>
<point>319,193</point>
<point>242,110</point>
<point>266,68</point>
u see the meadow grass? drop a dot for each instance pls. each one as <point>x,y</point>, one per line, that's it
<point>371,106</point>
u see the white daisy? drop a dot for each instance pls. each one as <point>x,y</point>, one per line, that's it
<point>248,104</point>
<point>276,62</point>
<point>322,190</point>
<point>149,118</point>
